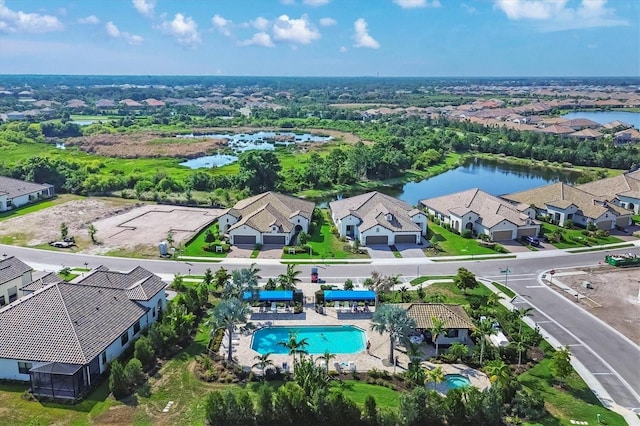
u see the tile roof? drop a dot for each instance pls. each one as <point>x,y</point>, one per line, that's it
<point>42,281</point>
<point>373,207</point>
<point>66,323</point>
<point>608,188</point>
<point>587,134</point>
<point>454,316</point>
<point>492,210</point>
<point>562,195</point>
<point>14,187</point>
<point>12,268</point>
<point>556,130</point>
<point>265,210</point>
<point>139,283</point>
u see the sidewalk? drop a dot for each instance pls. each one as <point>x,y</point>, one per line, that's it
<point>594,384</point>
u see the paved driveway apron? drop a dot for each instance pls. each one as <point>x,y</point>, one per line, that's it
<point>380,252</point>
<point>410,250</point>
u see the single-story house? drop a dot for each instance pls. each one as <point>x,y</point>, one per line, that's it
<point>15,193</point>
<point>40,280</point>
<point>456,321</point>
<point>267,218</point>
<point>61,337</point>
<point>14,274</point>
<point>626,136</point>
<point>622,190</point>
<point>375,218</point>
<point>562,202</point>
<point>483,213</point>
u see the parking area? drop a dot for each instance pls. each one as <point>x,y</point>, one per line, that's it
<point>380,252</point>
<point>410,250</point>
<point>240,252</point>
<point>270,252</point>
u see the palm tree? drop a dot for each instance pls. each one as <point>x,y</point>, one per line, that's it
<point>484,329</point>
<point>498,371</point>
<point>458,351</point>
<point>327,357</point>
<point>242,281</point>
<point>520,315</point>
<point>493,299</point>
<point>404,294</point>
<point>220,278</point>
<point>289,279</point>
<point>295,346</point>
<point>379,283</point>
<point>436,298</point>
<point>437,328</point>
<point>263,362</point>
<point>435,376</point>
<point>228,314</point>
<point>520,343</point>
<point>394,320</point>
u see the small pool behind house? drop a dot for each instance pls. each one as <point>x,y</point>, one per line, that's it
<point>455,381</point>
<point>345,339</point>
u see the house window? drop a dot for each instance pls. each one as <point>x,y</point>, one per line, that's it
<point>3,301</point>
<point>136,327</point>
<point>24,367</point>
<point>377,229</point>
<point>453,332</point>
<point>124,339</point>
<point>104,357</point>
<point>153,312</point>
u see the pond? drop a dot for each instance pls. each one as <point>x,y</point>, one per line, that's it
<point>247,141</point>
<point>491,176</point>
<point>604,117</point>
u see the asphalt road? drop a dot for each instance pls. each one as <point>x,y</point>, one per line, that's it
<point>613,359</point>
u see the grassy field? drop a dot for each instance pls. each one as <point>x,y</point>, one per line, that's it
<point>575,238</point>
<point>194,247</point>
<point>452,244</point>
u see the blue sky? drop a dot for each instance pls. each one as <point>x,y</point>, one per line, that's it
<point>430,38</point>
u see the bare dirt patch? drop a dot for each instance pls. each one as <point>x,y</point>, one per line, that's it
<point>616,289</point>
<point>116,415</point>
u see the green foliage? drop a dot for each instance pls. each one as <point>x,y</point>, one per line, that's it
<point>561,363</point>
<point>215,409</point>
<point>64,231</point>
<point>117,380</point>
<point>133,373</point>
<point>370,416</point>
<point>465,280</point>
<point>143,350</point>
<point>394,320</point>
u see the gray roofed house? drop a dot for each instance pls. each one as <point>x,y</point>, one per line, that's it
<point>483,213</point>
<point>41,280</point>
<point>14,274</point>
<point>375,218</point>
<point>76,329</point>
<point>15,193</point>
<point>267,218</point>
<point>623,190</point>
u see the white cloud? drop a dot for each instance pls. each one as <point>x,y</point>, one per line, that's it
<point>299,31</point>
<point>327,22</point>
<point>315,3</point>
<point>12,21</point>
<point>89,20</point>
<point>221,24</point>
<point>342,49</point>
<point>362,37</point>
<point>145,7</point>
<point>114,32</point>
<point>288,2</point>
<point>184,29</point>
<point>260,23</point>
<point>412,4</point>
<point>259,39</point>
<point>112,29</point>
<point>555,15</point>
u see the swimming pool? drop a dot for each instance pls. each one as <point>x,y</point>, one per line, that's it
<point>346,339</point>
<point>455,381</point>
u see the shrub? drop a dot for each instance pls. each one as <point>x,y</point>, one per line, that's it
<point>133,373</point>
<point>528,404</point>
<point>144,352</point>
<point>117,380</point>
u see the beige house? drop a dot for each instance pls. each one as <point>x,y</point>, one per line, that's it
<point>456,321</point>
<point>267,218</point>
<point>562,202</point>
<point>622,190</point>
<point>378,219</point>
<point>14,274</point>
<point>483,213</point>
<point>15,193</point>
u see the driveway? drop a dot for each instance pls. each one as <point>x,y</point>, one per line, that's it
<point>380,252</point>
<point>240,252</point>
<point>410,250</point>
<point>270,252</point>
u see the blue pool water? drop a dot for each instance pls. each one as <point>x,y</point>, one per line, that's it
<point>455,381</point>
<point>345,339</point>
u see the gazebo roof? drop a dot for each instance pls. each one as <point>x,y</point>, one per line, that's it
<point>271,295</point>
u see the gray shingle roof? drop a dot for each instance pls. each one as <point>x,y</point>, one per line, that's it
<point>139,283</point>
<point>66,323</point>
<point>15,187</point>
<point>12,268</point>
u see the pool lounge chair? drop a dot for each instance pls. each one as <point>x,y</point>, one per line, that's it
<point>338,367</point>
<point>352,366</point>
<point>347,308</point>
<point>338,307</point>
<point>274,307</point>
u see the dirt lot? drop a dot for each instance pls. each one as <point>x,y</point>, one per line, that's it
<point>616,289</point>
<point>121,224</point>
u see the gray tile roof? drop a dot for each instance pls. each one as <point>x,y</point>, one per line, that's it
<point>66,323</point>
<point>625,184</point>
<point>373,207</point>
<point>139,283</point>
<point>15,188</point>
<point>42,281</point>
<point>265,210</point>
<point>12,268</point>
<point>492,210</point>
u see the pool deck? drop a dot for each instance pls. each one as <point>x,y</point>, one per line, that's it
<point>376,358</point>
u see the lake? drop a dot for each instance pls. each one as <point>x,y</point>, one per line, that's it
<point>247,141</point>
<point>604,117</point>
<point>491,176</point>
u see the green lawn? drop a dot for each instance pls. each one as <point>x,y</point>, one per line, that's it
<point>194,247</point>
<point>449,291</point>
<point>44,204</point>
<point>575,237</point>
<point>504,289</point>
<point>575,403</point>
<point>324,244</point>
<point>358,392</point>
<point>452,244</point>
